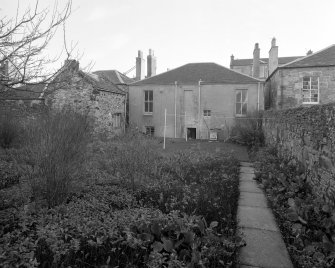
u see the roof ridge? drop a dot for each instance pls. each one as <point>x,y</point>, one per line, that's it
<point>259,80</point>
<point>307,56</point>
<point>145,79</point>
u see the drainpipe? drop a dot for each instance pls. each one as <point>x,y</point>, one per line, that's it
<point>258,88</point>
<point>175,109</point>
<point>199,113</point>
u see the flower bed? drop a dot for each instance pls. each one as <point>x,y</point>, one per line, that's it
<point>179,212</point>
<point>306,221</point>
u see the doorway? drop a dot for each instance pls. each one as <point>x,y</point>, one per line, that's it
<point>191,133</point>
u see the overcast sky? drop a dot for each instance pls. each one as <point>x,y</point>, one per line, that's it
<point>110,32</point>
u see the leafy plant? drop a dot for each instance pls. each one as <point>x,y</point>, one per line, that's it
<point>307,221</point>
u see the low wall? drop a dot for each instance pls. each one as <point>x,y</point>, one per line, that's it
<point>308,133</point>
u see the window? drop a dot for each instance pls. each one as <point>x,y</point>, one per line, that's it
<point>150,130</point>
<point>310,89</point>
<point>117,120</point>
<point>207,113</point>
<point>148,101</point>
<point>241,102</point>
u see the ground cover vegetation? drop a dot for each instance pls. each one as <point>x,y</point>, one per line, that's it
<point>307,221</point>
<point>72,200</point>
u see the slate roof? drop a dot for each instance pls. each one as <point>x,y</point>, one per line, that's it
<point>114,76</point>
<point>325,57</point>
<point>281,61</point>
<point>102,83</point>
<point>191,73</point>
<point>26,92</point>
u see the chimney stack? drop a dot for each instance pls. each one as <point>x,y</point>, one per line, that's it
<point>231,61</point>
<point>139,66</point>
<point>255,62</point>
<point>151,64</point>
<point>72,65</point>
<point>273,56</point>
<point>309,52</point>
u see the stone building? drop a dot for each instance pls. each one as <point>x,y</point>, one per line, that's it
<point>199,98</point>
<point>305,81</point>
<point>89,93</point>
<point>260,67</point>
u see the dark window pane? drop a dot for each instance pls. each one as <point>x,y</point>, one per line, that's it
<point>150,107</point>
<point>151,95</point>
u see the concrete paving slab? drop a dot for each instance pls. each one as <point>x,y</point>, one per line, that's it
<point>247,169</point>
<point>247,176</point>
<point>264,249</point>
<point>256,217</point>
<point>249,186</point>
<point>252,200</point>
<point>246,164</point>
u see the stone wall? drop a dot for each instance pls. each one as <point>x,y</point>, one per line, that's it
<point>284,89</point>
<point>106,108</point>
<point>307,133</point>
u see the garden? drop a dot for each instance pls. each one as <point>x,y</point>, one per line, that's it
<point>306,221</point>
<point>70,199</point>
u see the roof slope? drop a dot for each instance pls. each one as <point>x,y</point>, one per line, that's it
<point>325,57</point>
<point>25,92</point>
<point>281,60</point>
<point>114,76</point>
<point>191,73</point>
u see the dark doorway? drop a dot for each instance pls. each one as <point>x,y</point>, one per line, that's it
<point>191,133</point>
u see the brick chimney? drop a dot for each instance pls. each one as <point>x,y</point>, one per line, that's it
<point>255,61</point>
<point>273,56</point>
<point>139,66</point>
<point>231,61</point>
<point>151,64</point>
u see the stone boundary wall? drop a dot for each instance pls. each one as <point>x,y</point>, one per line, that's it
<point>307,133</point>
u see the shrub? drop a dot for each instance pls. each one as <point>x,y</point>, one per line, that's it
<point>131,157</point>
<point>248,130</point>
<point>307,222</point>
<point>9,131</point>
<point>55,154</point>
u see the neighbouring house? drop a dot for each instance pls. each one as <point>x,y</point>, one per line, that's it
<point>259,67</point>
<point>199,98</point>
<point>89,93</point>
<point>305,81</point>
<point>119,80</point>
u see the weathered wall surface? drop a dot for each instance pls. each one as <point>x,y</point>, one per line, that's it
<point>308,133</point>
<point>219,98</point>
<point>284,88</point>
<point>106,108</point>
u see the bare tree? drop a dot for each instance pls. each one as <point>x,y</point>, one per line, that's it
<point>23,41</point>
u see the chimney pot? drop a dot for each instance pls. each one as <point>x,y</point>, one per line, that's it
<point>273,56</point>
<point>309,52</point>
<point>273,42</point>
<point>231,61</point>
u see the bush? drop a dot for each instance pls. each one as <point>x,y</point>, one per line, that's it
<point>307,222</point>
<point>248,131</point>
<point>9,131</point>
<point>55,154</point>
<point>133,157</point>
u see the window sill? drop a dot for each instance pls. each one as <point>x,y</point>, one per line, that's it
<point>311,103</point>
<point>240,115</point>
<point>147,113</point>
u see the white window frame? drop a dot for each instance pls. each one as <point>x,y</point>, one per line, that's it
<point>308,88</point>
<point>241,102</point>
<point>148,101</point>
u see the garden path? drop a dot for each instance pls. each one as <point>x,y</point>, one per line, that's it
<point>265,247</point>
